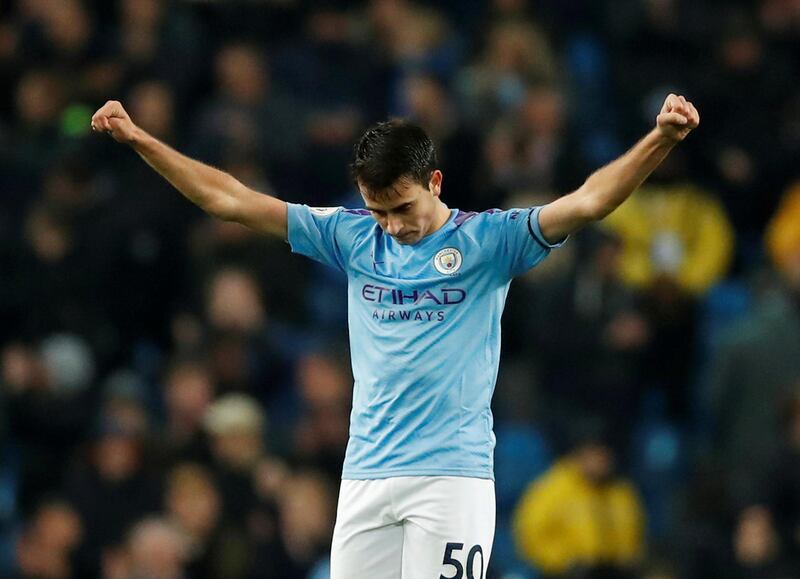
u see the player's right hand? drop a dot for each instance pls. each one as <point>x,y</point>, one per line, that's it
<point>112,118</point>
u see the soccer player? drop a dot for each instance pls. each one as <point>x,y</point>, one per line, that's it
<point>426,288</point>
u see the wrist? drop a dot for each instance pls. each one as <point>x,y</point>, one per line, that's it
<point>138,139</point>
<point>665,137</point>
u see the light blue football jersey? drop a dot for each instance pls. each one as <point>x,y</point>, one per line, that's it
<point>424,323</point>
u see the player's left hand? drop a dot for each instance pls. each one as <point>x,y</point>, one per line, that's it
<point>677,118</point>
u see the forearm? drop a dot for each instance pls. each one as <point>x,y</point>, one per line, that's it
<point>608,187</point>
<point>214,191</point>
<point>605,189</point>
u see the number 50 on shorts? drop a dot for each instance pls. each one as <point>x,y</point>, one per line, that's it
<point>453,559</point>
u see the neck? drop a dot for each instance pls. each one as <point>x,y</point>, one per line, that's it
<point>442,215</point>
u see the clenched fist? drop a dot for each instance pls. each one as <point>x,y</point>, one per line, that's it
<point>677,118</point>
<point>112,118</point>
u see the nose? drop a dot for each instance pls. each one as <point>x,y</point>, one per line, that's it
<point>393,225</point>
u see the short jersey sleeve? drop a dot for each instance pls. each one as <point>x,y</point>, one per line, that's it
<point>521,244</point>
<point>321,233</point>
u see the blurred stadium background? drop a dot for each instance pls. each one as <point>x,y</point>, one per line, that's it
<point>174,391</point>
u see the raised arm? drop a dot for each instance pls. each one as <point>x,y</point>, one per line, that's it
<point>607,188</point>
<point>214,191</point>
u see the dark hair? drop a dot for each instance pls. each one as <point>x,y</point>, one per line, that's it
<point>590,430</point>
<point>390,151</point>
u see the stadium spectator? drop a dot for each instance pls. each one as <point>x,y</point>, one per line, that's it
<point>112,487</point>
<point>756,364</point>
<point>757,551</point>
<point>590,338</point>
<point>320,437</point>
<point>156,550</point>
<point>67,38</point>
<point>779,488</point>
<point>236,426</point>
<point>675,231</point>
<point>234,303</point>
<point>412,37</point>
<point>702,532</point>
<point>245,350</point>
<point>124,403</point>
<point>188,392</point>
<point>529,149</point>
<point>45,424</point>
<point>214,549</point>
<point>215,245</point>
<point>155,40</point>
<point>47,548</point>
<point>676,243</point>
<point>330,51</point>
<point>154,103</point>
<point>783,238</point>
<point>248,115</point>
<point>742,158</point>
<point>517,52</point>
<point>35,138</point>
<point>306,506</point>
<point>580,519</point>
<point>427,101</point>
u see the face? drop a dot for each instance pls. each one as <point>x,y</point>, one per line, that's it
<point>189,393</point>
<point>596,462</point>
<point>196,504</point>
<point>754,538</point>
<point>117,457</point>
<point>237,450</point>
<point>408,211</point>
<point>59,527</point>
<point>306,508</point>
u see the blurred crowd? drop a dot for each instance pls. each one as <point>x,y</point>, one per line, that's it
<point>175,391</point>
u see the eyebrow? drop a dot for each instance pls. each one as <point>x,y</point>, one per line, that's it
<point>390,209</point>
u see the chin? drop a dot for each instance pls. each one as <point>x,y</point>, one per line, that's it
<point>409,240</point>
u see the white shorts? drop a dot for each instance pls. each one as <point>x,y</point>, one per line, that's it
<point>421,527</point>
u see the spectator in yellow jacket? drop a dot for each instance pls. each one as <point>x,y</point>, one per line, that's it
<point>675,230</point>
<point>677,242</point>
<point>783,237</point>
<point>580,520</point>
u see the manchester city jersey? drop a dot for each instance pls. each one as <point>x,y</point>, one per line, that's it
<point>424,323</point>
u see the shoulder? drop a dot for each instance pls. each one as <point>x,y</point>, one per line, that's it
<point>337,214</point>
<point>489,217</point>
<point>560,475</point>
<point>339,222</point>
<point>769,312</point>
<point>624,489</point>
<point>356,215</point>
<point>356,221</point>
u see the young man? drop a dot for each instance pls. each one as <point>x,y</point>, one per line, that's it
<point>426,289</point>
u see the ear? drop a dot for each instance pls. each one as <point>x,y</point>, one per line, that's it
<point>435,184</point>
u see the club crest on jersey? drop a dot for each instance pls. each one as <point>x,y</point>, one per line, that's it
<point>447,261</point>
<point>323,211</point>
